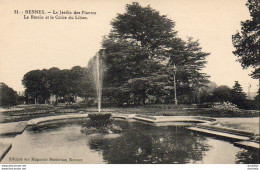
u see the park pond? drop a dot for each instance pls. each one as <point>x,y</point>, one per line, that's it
<point>138,143</point>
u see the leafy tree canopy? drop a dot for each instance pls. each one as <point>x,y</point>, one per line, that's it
<point>141,51</point>
<point>41,84</point>
<point>8,96</point>
<point>247,42</point>
<point>143,26</point>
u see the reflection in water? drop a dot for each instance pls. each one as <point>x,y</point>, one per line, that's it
<point>247,157</point>
<point>138,143</point>
<point>141,143</point>
<point>51,126</point>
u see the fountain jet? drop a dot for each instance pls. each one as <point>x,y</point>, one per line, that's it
<point>98,77</point>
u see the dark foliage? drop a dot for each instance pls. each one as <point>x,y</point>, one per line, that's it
<point>8,97</point>
<point>247,42</point>
<point>67,84</point>
<point>141,52</point>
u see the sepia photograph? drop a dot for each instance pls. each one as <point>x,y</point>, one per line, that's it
<point>129,82</point>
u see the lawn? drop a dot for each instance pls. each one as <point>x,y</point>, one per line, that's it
<point>248,124</point>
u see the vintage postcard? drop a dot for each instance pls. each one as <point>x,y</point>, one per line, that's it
<point>129,82</point>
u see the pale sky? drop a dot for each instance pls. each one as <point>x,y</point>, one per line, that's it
<point>26,45</point>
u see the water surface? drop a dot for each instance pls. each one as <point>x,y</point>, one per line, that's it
<point>139,143</point>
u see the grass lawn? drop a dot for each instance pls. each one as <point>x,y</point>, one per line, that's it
<point>248,124</point>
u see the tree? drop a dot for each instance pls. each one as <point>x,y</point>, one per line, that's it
<point>238,97</point>
<point>247,42</point>
<point>134,49</point>
<point>257,96</point>
<point>66,84</point>
<point>257,100</point>
<point>189,61</point>
<point>222,94</point>
<point>140,51</point>
<point>205,93</point>
<point>37,85</point>
<point>143,26</point>
<point>81,82</point>
<point>55,82</point>
<point>8,96</point>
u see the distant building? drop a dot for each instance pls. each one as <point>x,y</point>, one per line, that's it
<point>251,95</point>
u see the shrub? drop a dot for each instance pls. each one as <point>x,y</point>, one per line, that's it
<point>226,107</point>
<point>251,105</point>
<point>99,119</point>
<point>99,116</point>
<point>204,105</point>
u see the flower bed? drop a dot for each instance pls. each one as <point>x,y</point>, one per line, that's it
<point>226,107</point>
